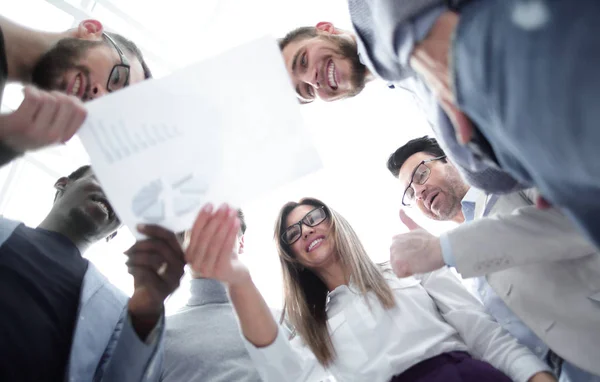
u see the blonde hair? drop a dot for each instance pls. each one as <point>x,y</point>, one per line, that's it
<point>305,294</point>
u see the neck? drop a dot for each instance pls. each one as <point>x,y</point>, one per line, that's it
<point>24,47</point>
<point>333,275</point>
<point>65,228</point>
<point>459,217</point>
<point>369,76</point>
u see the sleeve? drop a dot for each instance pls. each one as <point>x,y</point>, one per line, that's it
<point>127,358</point>
<point>485,338</point>
<point>7,154</point>
<point>447,253</point>
<point>284,360</point>
<point>527,236</point>
<point>408,34</point>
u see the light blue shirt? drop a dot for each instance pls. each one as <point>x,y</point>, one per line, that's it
<point>493,304</point>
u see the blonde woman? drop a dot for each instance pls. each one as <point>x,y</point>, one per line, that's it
<point>354,318</point>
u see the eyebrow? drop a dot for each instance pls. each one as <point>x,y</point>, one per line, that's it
<point>295,60</point>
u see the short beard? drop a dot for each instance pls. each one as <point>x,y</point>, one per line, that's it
<point>348,48</point>
<point>48,72</point>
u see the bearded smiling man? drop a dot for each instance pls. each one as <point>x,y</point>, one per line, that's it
<point>65,68</point>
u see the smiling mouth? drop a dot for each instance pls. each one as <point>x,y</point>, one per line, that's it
<point>104,206</point>
<point>331,75</point>
<point>314,244</point>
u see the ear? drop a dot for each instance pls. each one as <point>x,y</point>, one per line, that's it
<point>90,30</point>
<point>241,247</point>
<point>61,183</point>
<point>326,26</point>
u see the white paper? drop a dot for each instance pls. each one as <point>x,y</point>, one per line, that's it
<point>225,130</point>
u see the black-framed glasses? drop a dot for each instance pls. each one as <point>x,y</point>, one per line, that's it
<point>119,75</point>
<point>311,219</point>
<point>419,176</point>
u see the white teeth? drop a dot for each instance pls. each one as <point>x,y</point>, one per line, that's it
<point>76,86</point>
<point>331,75</point>
<point>103,206</point>
<point>312,245</point>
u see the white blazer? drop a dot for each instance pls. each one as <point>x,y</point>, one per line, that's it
<point>543,269</point>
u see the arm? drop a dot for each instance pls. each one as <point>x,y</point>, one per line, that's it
<point>42,119</point>
<point>527,236</point>
<point>276,359</point>
<point>211,254</point>
<point>128,358</point>
<point>135,352</point>
<point>485,338</point>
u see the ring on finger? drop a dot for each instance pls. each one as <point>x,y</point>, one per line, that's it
<point>162,269</point>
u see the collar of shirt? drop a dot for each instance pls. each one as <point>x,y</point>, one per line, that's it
<point>207,291</point>
<point>468,203</point>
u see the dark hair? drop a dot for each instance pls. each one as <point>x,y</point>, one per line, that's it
<point>424,144</point>
<point>297,34</point>
<point>242,218</point>
<point>184,236</point>
<point>133,49</point>
<point>77,174</point>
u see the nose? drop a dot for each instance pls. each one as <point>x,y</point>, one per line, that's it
<point>311,77</point>
<point>97,91</point>
<point>419,191</point>
<point>307,231</point>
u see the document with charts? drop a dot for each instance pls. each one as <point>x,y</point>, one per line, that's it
<point>224,130</point>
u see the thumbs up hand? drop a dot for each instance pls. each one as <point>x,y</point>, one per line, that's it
<point>415,252</point>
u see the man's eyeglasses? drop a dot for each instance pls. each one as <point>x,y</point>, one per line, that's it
<point>311,219</point>
<point>119,75</point>
<point>419,176</point>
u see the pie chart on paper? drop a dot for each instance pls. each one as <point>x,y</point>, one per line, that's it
<point>172,196</point>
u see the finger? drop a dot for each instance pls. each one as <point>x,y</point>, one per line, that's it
<point>43,122</point>
<point>201,220</point>
<point>408,222</point>
<point>162,234</point>
<point>150,290</point>
<point>198,252</point>
<point>64,114</point>
<point>75,114</point>
<point>149,260</point>
<point>225,253</point>
<point>166,254</point>
<point>30,105</point>
<point>400,268</point>
<point>216,242</point>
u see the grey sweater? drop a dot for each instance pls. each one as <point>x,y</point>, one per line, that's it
<point>203,341</point>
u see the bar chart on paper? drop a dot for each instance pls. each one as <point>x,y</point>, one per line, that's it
<point>118,141</point>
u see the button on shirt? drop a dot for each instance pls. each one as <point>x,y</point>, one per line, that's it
<point>433,315</point>
<point>492,302</point>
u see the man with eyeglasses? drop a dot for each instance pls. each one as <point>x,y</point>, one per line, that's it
<point>59,70</point>
<point>535,273</point>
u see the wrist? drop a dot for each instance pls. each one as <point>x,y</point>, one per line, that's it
<point>143,321</point>
<point>542,376</point>
<point>241,283</point>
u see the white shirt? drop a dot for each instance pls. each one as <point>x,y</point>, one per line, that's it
<point>434,315</point>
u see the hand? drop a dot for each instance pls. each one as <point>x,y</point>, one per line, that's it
<point>157,265</point>
<point>542,377</point>
<point>210,252</point>
<point>42,119</point>
<point>415,252</point>
<point>430,60</point>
